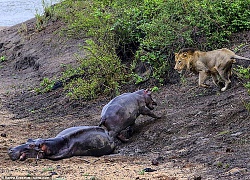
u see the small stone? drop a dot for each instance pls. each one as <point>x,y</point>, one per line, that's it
<point>228,150</point>
<point>53,173</point>
<point>3,135</point>
<point>236,134</point>
<point>197,178</point>
<point>236,170</point>
<point>149,170</point>
<point>155,162</point>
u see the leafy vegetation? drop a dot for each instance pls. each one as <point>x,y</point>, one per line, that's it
<point>142,31</point>
<point>2,58</point>
<point>244,74</point>
<point>42,19</point>
<point>45,86</point>
<point>101,73</point>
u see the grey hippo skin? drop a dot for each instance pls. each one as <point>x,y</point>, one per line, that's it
<point>74,141</point>
<point>122,111</point>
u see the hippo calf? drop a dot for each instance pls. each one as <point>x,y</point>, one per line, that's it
<point>122,111</point>
<point>74,141</point>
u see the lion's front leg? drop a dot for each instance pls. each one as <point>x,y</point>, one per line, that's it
<point>202,79</point>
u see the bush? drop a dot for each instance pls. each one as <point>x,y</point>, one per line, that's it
<point>244,75</point>
<point>101,73</point>
<point>144,31</point>
<point>182,23</point>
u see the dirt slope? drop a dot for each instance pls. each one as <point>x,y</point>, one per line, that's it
<point>203,133</point>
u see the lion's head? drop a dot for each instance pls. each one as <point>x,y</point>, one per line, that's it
<point>183,59</point>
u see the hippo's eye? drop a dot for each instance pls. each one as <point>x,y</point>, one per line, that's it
<point>32,146</point>
<point>40,146</point>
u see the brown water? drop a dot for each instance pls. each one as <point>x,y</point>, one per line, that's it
<point>17,11</point>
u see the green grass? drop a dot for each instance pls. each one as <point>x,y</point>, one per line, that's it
<point>48,169</point>
<point>2,58</point>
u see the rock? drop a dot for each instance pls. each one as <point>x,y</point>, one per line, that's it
<point>197,178</point>
<point>53,173</point>
<point>155,162</point>
<point>236,134</point>
<point>3,135</point>
<point>149,170</point>
<point>236,170</point>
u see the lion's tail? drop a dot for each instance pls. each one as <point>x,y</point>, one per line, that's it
<point>239,57</point>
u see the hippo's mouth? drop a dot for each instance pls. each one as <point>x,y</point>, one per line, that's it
<point>36,154</point>
<point>154,103</point>
<point>23,156</point>
<point>151,106</point>
<point>26,154</point>
<point>18,156</point>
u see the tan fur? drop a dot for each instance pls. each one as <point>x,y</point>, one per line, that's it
<point>216,63</point>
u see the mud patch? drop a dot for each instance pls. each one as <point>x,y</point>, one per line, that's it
<point>27,62</point>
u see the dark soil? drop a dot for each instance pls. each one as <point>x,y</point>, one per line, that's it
<point>203,133</point>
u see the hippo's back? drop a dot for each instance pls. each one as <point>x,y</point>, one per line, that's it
<point>119,104</point>
<point>73,130</point>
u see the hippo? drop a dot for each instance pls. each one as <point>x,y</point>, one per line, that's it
<point>74,141</point>
<point>122,111</point>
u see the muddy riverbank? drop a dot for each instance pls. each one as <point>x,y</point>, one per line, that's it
<point>203,133</point>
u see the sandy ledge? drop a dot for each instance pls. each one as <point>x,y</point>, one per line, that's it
<point>3,27</point>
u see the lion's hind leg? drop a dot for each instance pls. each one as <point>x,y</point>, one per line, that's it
<point>225,75</point>
<point>215,79</point>
<point>227,82</point>
<point>215,75</point>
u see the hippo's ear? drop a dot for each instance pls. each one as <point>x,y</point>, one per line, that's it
<point>44,148</point>
<point>30,140</point>
<point>147,92</point>
<point>32,146</point>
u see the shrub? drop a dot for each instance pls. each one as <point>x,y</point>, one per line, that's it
<point>147,31</point>
<point>45,86</point>
<point>101,73</point>
<point>244,74</point>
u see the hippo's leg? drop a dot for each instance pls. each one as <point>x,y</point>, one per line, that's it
<point>63,154</point>
<point>118,135</point>
<point>127,133</point>
<point>130,130</point>
<point>114,134</point>
<point>122,138</point>
<point>146,111</point>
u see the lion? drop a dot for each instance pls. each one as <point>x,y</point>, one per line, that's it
<point>216,63</point>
